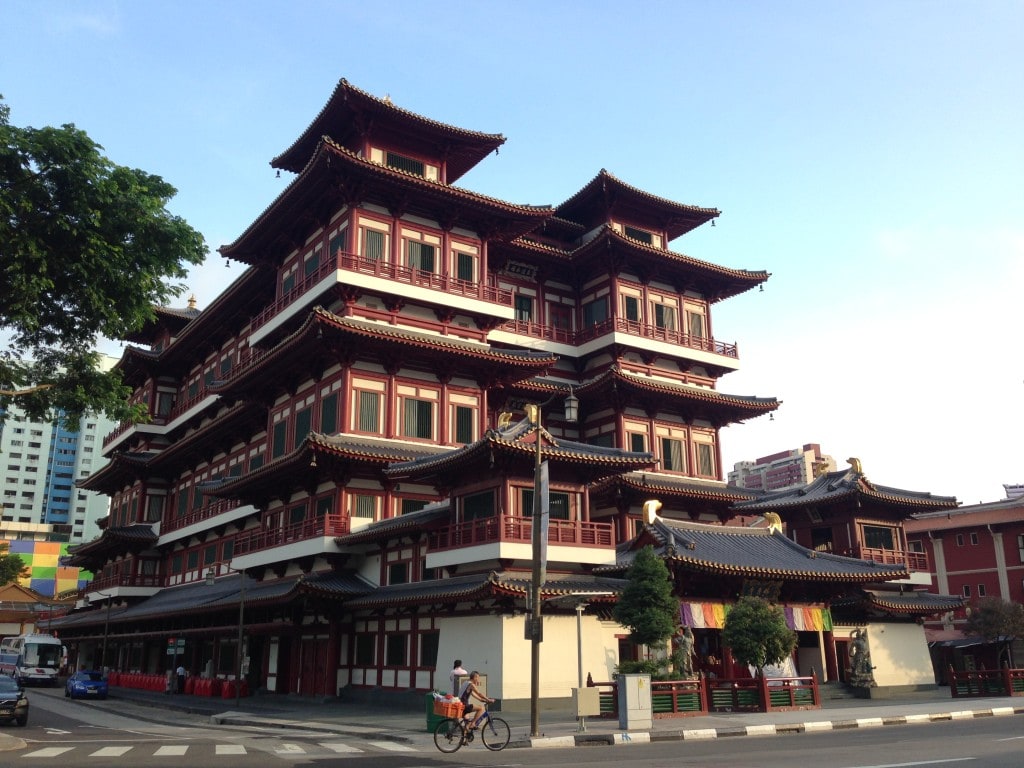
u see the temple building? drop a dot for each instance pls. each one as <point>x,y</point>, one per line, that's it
<point>335,491</point>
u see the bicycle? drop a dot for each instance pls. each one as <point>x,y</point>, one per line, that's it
<point>451,733</point>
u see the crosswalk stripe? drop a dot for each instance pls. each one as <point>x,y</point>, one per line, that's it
<point>110,752</point>
<point>230,749</point>
<point>289,749</point>
<point>393,746</point>
<point>48,752</point>
<point>337,746</point>
<point>171,750</point>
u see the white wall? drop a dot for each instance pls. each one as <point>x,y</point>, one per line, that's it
<point>899,653</point>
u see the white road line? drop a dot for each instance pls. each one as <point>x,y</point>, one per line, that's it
<point>337,746</point>
<point>229,749</point>
<point>110,752</point>
<point>289,749</point>
<point>171,750</point>
<point>48,752</point>
<point>392,746</point>
<point>919,762</point>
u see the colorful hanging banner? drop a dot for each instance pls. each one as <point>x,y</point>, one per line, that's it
<point>802,618</point>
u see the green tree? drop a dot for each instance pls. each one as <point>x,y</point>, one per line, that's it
<point>87,249</point>
<point>997,621</point>
<point>12,567</point>
<point>646,605</point>
<point>756,632</point>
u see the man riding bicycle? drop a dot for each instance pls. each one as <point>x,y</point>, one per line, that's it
<point>471,690</point>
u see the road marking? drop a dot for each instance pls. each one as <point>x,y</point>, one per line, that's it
<point>920,762</point>
<point>49,752</point>
<point>110,752</point>
<point>392,746</point>
<point>57,731</point>
<point>337,746</point>
<point>171,750</point>
<point>230,749</point>
<point>289,749</point>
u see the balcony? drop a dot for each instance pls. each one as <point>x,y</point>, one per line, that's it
<point>914,561</point>
<point>198,515</point>
<point>510,537</point>
<point>618,325</point>
<point>257,540</point>
<point>381,272</point>
<point>117,581</point>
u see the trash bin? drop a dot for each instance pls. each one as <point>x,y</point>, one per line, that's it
<point>432,719</point>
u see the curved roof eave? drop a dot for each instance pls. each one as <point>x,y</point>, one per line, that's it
<point>320,173</point>
<point>475,145</point>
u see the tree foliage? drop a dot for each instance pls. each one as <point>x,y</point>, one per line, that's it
<point>756,632</point>
<point>646,605</point>
<point>87,249</point>
<point>993,618</point>
<point>12,567</point>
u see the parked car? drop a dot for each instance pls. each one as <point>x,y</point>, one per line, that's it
<point>87,684</point>
<point>13,701</point>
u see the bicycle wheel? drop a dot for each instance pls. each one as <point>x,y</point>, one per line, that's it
<point>448,736</point>
<point>495,734</point>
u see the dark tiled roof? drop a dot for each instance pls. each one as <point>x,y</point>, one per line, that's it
<point>752,552</point>
<point>654,484</point>
<point>678,218</point>
<point>112,540</point>
<point>337,585</point>
<point>349,105</point>
<point>843,484</point>
<point>397,525</point>
<point>482,586</point>
<point>735,406</point>
<point>913,603</point>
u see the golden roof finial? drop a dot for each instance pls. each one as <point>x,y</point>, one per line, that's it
<point>504,419</point>
<point>192,301</point>
<point>855,463</point>
<point>651,507</point>
<point>774,522</point>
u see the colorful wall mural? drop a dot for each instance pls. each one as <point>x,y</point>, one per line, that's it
<point>46,575</point>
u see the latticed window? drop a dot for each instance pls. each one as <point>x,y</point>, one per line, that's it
<point>374,244</point>
<point>696,324</point>
<point>665,317</point>
<point>631,305</point>
<point>364,505</point>
<point>338,243</point>
<point>369,411</point>
<point>465,267</point>
<point>524,308</point>
<point>329,414</point>
<point>478,506</point>
<point>595,312</point>
<point>559,504</point>
<point>303,424</point>
<point>418,418</point>
<point>639,234</point>
<point>464,432</point>
<point>403,163</point>
<point>421,256</point>
<point>705,460</point>
<point>637,442</point>
<point>672,455</point>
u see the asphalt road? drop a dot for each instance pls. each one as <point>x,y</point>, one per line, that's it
<point>112,733</point>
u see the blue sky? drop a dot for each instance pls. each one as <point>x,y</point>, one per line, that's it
<point>869,155</point>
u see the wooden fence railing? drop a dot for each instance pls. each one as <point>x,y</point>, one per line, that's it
<point>986,682</point>
<point>684,698</point>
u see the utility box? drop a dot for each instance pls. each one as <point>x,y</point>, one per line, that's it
<point>635,702</point>
<point>586,702</point>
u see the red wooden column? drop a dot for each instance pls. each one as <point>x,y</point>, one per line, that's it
<point>831,663</point>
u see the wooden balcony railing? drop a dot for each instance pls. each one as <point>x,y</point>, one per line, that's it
<point>619,325</point>
<point>259,539</point>
<point>986,682</point>
<point>121,580</point>
<point>396,273</point>
<point>915,561</point>
<point>198,515</point>
<point>507,528</point>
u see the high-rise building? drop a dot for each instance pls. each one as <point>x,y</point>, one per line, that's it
<point>779,471</point>
<point>39,465</point>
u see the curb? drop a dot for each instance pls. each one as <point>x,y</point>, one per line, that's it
<point>646,737</point>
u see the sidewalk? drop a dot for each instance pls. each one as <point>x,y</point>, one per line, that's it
<point>558,728</point>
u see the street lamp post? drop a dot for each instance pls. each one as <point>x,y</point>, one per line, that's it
<point>210,580</point>
<point>538,532</point>
<point>106,627</point>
